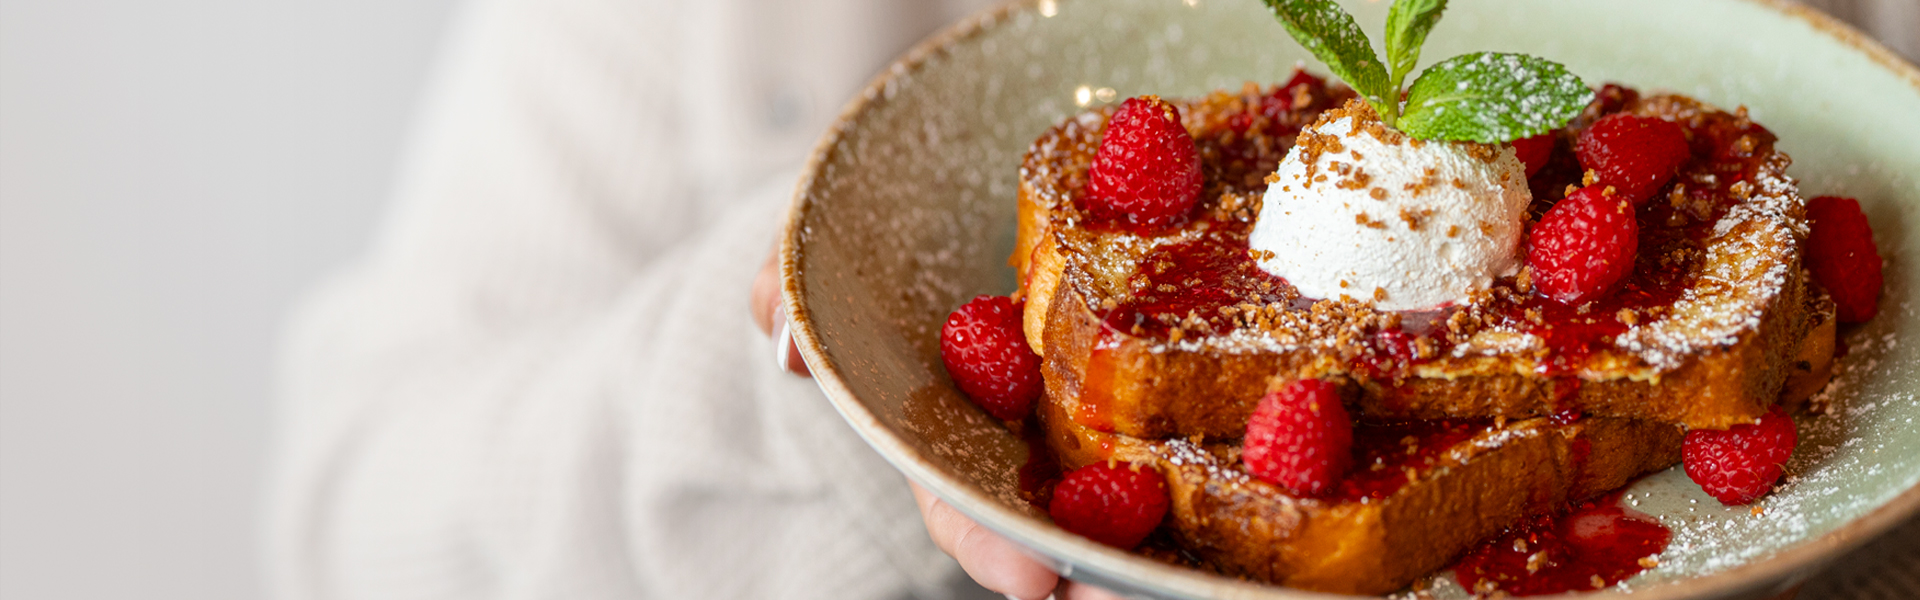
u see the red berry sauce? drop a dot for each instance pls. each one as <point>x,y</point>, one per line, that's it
<point>1195,277</point>
<point>1593,545</point>
<point>1384,453</point>
<point>1041,471</point>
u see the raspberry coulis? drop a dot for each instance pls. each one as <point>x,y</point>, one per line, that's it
<point>1197,278</point>
<point>1385,453</point>
<point>1589,546</point>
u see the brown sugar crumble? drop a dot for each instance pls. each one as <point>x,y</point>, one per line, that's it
<point>1414,218</point>
<point>1419,186</point>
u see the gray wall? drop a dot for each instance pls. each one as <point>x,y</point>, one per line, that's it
<point>172,174</point>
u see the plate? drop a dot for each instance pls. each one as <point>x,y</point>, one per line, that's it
<point>907,211</point>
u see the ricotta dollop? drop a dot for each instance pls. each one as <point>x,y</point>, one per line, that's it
<point>1360,210</point>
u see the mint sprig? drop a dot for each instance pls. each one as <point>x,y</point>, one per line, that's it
<point>1407,27</point>
<point>1492,97</point>
<point>1485,97</point>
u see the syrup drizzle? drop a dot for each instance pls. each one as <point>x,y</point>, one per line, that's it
<point>1041,471</point>
<point>1591,546</point>
<point>1185,285</point>
<point>1386,456</point>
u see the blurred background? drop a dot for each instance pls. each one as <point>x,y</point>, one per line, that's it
<point>173,173</point>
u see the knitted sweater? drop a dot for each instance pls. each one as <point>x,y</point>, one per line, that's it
<point>542,381</point>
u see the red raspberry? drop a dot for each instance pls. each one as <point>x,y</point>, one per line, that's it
<point>1841,254</point>
<point>1275,104</point>
<point>986,352</point>
<point>1634,154</point>
<point>1147,171</point>
<point>1534,151</point>
<point>1740,464</point>
<point>1300,438</point>
<point>1116,505</point>
<point>1583,246</point>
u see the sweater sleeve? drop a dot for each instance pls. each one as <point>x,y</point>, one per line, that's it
<point>542,381</point>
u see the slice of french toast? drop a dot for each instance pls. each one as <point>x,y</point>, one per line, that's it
<point>1420,493</point>
<point>1177,332</point>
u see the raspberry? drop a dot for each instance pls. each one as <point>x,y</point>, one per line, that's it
<point>1147,171</point>
<point>986,352</point>
<point>1300,438</point>
<point>1116,505</point>
<point>1634,154</point>
<point>1274,105</point>
<point>1534,151</point>
<point>1739,465</point>
<point>1583,246</point>
<point>1841,254</point>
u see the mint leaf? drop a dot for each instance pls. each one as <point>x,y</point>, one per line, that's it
<point>1330,34</point>
<point>1492,97</point>
<point>1407,25</point>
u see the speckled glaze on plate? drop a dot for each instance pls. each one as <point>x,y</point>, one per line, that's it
<point>907,210</point>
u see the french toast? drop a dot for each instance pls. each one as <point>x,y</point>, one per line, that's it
<point>1176,332</point>
<point>1421,492</point>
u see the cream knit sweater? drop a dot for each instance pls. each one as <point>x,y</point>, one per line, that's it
<point>542,381</point>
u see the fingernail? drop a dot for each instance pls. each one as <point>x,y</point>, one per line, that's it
<point>786,356</point>
<point>781,342</point>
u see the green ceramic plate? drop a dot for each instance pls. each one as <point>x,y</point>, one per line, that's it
<point>907,211</point>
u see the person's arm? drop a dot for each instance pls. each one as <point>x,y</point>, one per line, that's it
<point>539,382</point>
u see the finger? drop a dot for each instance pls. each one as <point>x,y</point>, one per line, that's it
<point>991,560</point>
<point>1074,590</point>
<point>766,293</point>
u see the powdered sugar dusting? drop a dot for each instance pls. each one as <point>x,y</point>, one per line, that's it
<point>1855,457</point>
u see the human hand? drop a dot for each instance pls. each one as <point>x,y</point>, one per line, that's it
<point>994,562</point>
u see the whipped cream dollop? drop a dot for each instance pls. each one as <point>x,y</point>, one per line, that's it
<point>1360,210</point>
